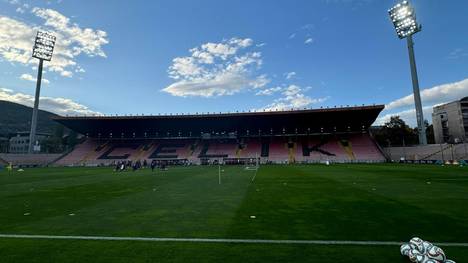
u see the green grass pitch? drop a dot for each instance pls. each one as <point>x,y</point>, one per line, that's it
<point>380,202</point>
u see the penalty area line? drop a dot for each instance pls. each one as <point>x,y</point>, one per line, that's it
<point>225,240</point>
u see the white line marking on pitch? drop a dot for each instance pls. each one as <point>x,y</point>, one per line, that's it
<point>225,240</point>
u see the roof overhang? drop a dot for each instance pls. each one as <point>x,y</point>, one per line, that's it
<point>243,123</point>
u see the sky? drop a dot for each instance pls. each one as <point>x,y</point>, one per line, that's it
<point>171,57</point>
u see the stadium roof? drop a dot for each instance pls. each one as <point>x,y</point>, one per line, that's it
<point>307,121</point>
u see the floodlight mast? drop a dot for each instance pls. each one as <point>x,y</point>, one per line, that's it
<point>404,21</point>
<point>42,50</point>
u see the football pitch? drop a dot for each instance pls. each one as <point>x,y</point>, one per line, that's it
<point>294,213</point>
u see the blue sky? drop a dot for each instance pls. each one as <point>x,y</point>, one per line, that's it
<point>150,57</point>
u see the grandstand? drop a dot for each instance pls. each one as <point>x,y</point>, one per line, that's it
<point>295,136</point>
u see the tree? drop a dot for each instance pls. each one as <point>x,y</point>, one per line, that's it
<point>429,132</point>
<point>396,133</point>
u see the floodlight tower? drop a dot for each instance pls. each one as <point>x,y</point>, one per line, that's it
<point>404,20</point>
<point>42,50</point>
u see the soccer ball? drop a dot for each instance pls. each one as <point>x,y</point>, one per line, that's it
<point>414,254</point>
<point>436,253</point>
<point>420,251</point>
<point>405,249</point>
<point>417,243</point>
<point>426,246</point>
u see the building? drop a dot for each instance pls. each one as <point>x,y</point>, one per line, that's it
<point>337,134</point>
<point>451,122</point>
<point>20,142</point>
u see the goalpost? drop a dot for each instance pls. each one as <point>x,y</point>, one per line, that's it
<point>219,170</point>
<point>254,168</point>
<point>256,165</point>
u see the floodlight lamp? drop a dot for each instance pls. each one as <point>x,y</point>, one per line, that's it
<point>43,46</point>
<point>404,19</point>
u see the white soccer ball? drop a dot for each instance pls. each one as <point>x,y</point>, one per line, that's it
<point>426,246</point>
<point>417,243</point>
<point>425,259</point>
<point>405,249</point>
<point>421,258</point>
<point>420,251</point>
<point>413,255</point>
<point>436,253</point>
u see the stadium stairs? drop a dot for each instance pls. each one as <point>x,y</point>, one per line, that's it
<point>291,152</point>
<point>365,148</point>
<point>352,148</point>
<point>347,147</point>
<point>88,150</point>
<point>66,153</point>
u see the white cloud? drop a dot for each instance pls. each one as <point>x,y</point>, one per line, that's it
<point>303,31</point>
<point>217,69</point>
<point>457,53</point>
<point>6,90</point>
<point>293,98</point>
<point>14,2</point>
<point>20,10</point>
<point>66,73</point>
<point>409,116</point>
<point>17,39</point>
<point>61,106</point>
<point>268,91</point>
<point>434,95</point>
<point>290,75</point>
<point>219,85</point>
<point>309,41</point>
<point>259,82</point>
<point>84,40</point>
<point>80,69</point>
<point>308,27</point>
<point>404,107</point>
<point>29,77</point>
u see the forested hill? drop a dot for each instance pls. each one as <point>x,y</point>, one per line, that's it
<point>17,118</point>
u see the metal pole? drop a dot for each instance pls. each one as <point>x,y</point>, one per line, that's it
<point>404,148</point>
<point>416,93</point>
<point>32,134</point>
<point>442,150</point>
<point>219,173</point>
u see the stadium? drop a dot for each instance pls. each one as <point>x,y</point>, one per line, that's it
<point>301,136</point>
<point>293,179</point>
<point>245,186</point>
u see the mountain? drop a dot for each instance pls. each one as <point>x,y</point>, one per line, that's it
<point>17,118</point>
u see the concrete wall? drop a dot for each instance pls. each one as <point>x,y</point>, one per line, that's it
<point>429,152</point>
<point>29,159</point>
